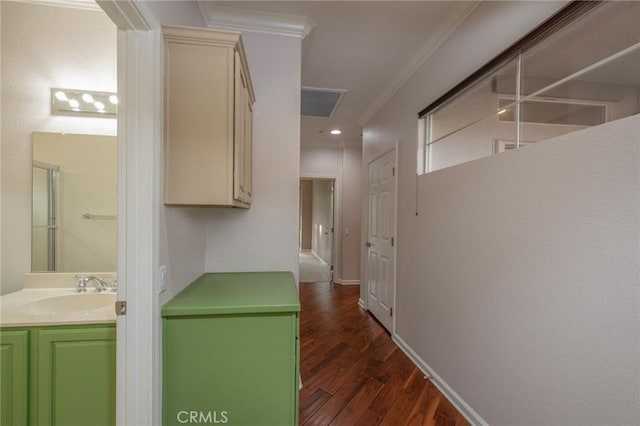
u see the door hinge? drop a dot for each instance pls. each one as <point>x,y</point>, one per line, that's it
<point>390,312</point>
<point>393,171</point>
<point>121,307</point>
<point>392,241</point>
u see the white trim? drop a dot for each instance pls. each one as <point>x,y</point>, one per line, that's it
<point>347,282</point>
<point>138,373</point>
<point>446,390</point>
<point>129,15</point>
<point>72,4</point>
<point>232,18</point>
<point>427,49</point>
<point>361,304</point>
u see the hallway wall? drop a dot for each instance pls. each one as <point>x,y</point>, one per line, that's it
<point>306,214</point>
<point>517,276</point>
<point>265,237</point>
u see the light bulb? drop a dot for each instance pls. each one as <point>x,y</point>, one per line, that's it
<point>73,103</point>
<point>113,99</point>
<point>60,95</point>
<point>99,105</point>
<point>87,98</point>
<point>336,131</point>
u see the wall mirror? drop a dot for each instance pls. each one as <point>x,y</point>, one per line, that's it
<point>74,203</point>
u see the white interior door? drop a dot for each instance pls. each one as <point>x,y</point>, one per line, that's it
<point>380,238</point>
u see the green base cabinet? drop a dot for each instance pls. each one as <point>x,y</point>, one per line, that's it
<point>230,351</point>
<point>58,375</point>
<point>75,377</point>
<point>14,377</point>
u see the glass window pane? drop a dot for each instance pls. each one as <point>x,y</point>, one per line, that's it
<point>608,29</point>
<point>606,93</point>
<point>482,139</point>
<point>478,103</point>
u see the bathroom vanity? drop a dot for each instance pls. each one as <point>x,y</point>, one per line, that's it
<point>57,357</point>
<point>231,350</point>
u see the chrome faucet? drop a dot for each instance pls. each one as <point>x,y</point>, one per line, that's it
<point>81,286</point>
<point>100,284</point>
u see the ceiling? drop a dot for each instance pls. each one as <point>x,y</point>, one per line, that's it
<point>368,48</point>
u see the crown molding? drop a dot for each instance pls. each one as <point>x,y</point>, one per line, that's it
<point>232,18</point>
<point>73,4</point>
<point>448,26</point>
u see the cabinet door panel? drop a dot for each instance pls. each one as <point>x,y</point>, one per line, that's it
<point>242,367</point>
<point>14,379</point>
<point>76,376</point>
<point>199,120</point>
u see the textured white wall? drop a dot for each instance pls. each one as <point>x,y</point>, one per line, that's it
<point>518,281</point>
<point>265,237</point>
<point>352,163</point>
<point>43,47</point>
<point>528,280</point>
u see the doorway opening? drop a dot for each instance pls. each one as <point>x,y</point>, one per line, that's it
<point>317,216</point>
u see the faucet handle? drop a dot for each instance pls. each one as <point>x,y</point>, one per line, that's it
<point>81,285</point>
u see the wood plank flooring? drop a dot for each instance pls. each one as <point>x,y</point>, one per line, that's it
<point>353,373</point>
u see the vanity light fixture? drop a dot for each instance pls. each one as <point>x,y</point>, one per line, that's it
<point>336,132</point>
<point>86,103</point>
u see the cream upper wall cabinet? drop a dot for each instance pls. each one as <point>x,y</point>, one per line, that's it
<point>208,118</point>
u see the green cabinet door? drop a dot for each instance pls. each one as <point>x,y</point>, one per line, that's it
<point>75,377</point>
<point>14,377</point>
<point>237,369</point>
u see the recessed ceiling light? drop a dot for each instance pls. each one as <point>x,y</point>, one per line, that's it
<point>336,131</point>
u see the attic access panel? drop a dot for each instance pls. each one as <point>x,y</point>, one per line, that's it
<point>320,103</point>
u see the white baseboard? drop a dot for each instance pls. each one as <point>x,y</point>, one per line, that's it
<point>361,304</point>
<point>347,282</point>
<point>464,408</point>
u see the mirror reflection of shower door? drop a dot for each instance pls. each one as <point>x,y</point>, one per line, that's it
<point>44,208</point>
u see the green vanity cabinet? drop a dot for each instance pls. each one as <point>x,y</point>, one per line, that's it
<point>58,375</point>
<point>14,377</point>
<point>230,351</point>
<point>75,376</point>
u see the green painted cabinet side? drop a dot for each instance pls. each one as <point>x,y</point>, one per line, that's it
<point>14,377</point>
<point>75,376</point>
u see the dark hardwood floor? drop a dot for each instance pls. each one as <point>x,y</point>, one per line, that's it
<point>353,373</point>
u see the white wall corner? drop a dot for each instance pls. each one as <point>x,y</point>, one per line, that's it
<point>256,21</point>
<point>447,26</point>
<point>455,399</point>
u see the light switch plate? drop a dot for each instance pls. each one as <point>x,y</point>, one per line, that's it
<point>163,278</point>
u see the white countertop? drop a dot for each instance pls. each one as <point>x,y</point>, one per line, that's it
<point>16,309</point>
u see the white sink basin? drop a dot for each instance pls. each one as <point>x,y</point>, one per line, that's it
<point>69,304</point>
